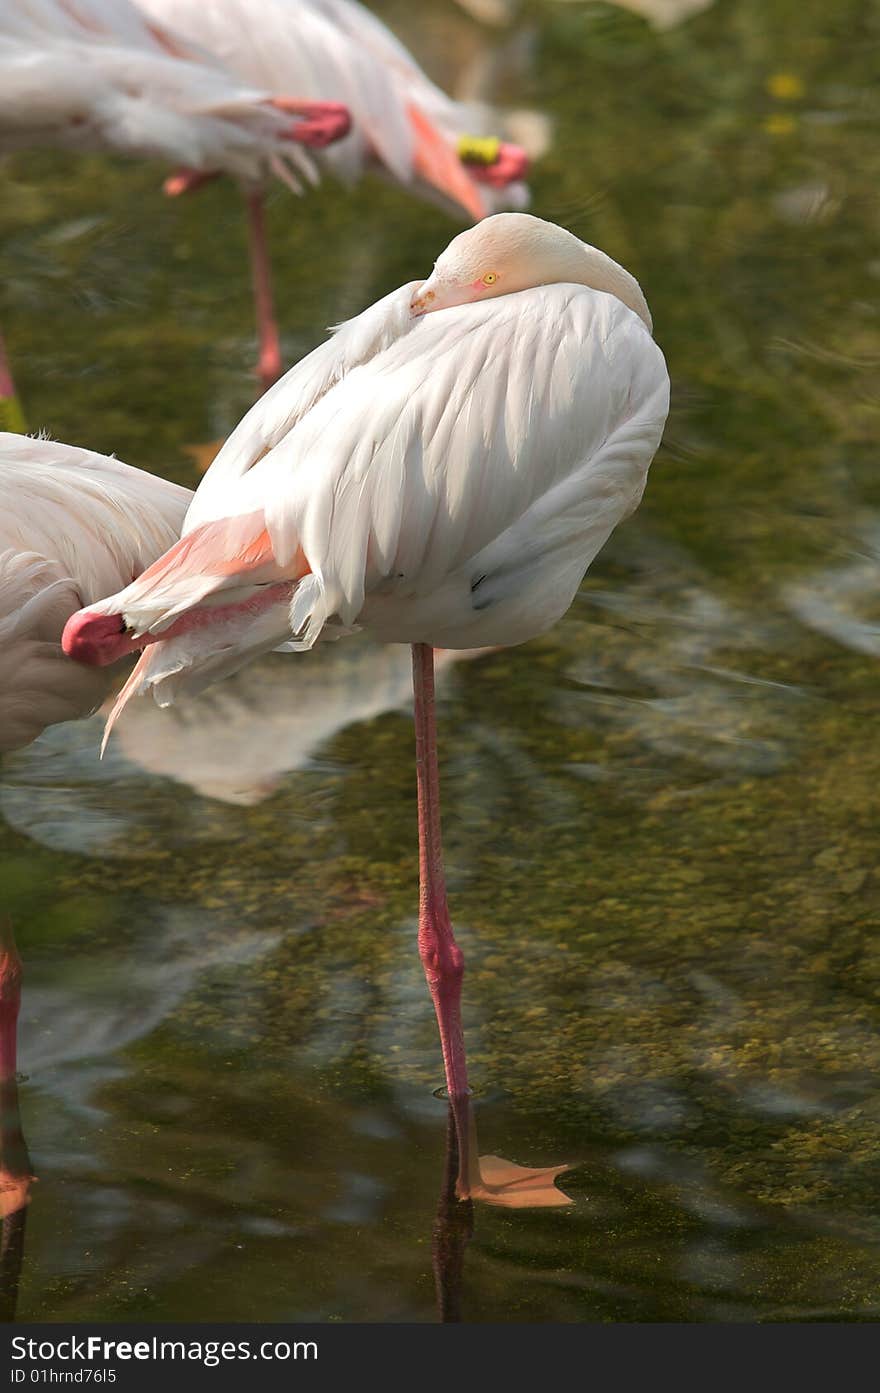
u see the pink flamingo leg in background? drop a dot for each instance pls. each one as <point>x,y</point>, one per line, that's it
<point>10,1001</point>
<point>16,1176</point>
<point>7,388</point>
<point>441,956</point>
<point>319,124</point>
<point>269,364</point>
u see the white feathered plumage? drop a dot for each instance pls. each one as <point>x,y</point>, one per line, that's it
<point>99,76</point>
<point>402,122</point>
<point>73,525</point>
<point>440,471</point>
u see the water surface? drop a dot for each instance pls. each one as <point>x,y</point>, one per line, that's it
<point>661,819</point>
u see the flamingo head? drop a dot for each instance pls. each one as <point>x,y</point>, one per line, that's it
<point>516,251</point>
<point>501,254</point>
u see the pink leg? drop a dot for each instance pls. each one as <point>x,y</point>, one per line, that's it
<point>10,1001</point>
<point>269,366</point>
<point>11,417</point>
<point>7,387</point>
<point>15,1166</point>
<point>441,956</point>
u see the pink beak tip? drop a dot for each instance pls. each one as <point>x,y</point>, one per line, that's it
<point>95,639</point>
<point>511,165</point>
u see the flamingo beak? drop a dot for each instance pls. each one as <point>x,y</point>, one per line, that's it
<point>421,302</point>
<point>437,293</point>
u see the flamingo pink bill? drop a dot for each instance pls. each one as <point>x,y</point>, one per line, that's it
<point>321,123</point>
<point>511,165</point>
<point>98,639</point>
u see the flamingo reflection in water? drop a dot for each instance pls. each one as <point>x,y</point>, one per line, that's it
<point>452,1229</point>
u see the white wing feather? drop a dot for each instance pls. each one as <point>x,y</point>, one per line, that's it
<point>453,485</point>
<point>97,76</point>
<point>487,440</point>
<point>337,50</point>
<point>73,525</point>
<point>294,395</point>
<point>103,520</point>
<point>291,48</point>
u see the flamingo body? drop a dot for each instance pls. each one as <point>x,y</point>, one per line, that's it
<point>402,123</point>
<point>443,478</point>
<point>99,77</point>
<point>72,524</point>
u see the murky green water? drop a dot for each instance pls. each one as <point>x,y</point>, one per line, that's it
<point>662,820</point>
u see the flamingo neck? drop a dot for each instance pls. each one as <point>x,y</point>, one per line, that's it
<point>586,265</point>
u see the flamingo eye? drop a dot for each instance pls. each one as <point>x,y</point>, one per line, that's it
<point>490,278</point>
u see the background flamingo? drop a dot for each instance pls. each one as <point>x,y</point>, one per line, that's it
<point>402,123</point>
<point>99,75</point>
<point>442,472</point>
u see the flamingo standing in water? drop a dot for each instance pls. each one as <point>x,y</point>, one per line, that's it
<point>98,75</point>
<point>441,472</point>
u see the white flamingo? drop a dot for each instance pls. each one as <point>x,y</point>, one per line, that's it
<point>441,472</point>
<point>97,75</point>
<point>73,524</point>
<point>402,123</point>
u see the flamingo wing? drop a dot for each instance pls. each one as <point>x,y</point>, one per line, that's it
<point>39,686</point>
<point>102,520</point>
<point>96,75</point>
<point>284,48</point>
<point>337,49</point>
<point>72,524</point>
<point>452,489</point>
<point>488,445</point>
<point>271,419</point>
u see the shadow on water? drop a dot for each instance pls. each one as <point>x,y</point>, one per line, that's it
<point>661,819</point>
<point>452,1232</point>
